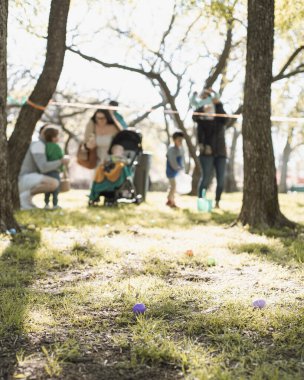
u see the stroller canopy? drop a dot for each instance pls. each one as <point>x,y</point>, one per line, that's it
<point>130,140</point>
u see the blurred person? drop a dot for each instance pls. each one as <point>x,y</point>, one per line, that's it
<point>53,153</point>
<point>32,177</point>
<point>206,97</point>
<point>99,133</point>
<point>175,163</point>
<point>212,146</point>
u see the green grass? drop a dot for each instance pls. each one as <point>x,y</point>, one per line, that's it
<point>70,279</point>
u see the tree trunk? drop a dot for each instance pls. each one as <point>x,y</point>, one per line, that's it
<point>42,93</point>
<point>230,182</point>
<point>284,167</point>
<point>260,198</point>
<point>7,220</point>
<point>196,175</point>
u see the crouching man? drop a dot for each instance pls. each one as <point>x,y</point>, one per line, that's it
<point>32,179</point>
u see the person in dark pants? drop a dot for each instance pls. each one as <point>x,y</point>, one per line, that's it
<point>211,139</point>
<point>53,152</point>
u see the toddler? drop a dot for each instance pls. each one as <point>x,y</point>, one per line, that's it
<point>53,152</point>
<point>175,163</point>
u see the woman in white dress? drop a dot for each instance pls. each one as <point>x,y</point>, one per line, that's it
<point>100,132</point>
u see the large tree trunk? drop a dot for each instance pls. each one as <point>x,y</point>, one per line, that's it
<point>7,220</point>
<point>42,93</point>
<point>230,182</point>
<point>260,199</point>
<point>284,167</point>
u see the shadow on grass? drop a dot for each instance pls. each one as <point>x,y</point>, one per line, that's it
<point>216,217</point>
<point>17,272</point>
<point>285,247</point>
<point>288,253</point>
<point>124,215</point>
<point>224,217</point>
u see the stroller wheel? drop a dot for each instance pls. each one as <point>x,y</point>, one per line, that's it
<point>93,203</point>
<point>110,202</point>
<point>138,199</point>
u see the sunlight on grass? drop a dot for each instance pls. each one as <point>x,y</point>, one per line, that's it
<point>39,319</point>
<point>73,276</point>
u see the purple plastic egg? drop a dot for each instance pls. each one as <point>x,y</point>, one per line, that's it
<point>139,308</point>
<point>259,304</point>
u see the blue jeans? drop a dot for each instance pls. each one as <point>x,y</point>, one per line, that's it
<point>207,165</point>
<point>53,174</point>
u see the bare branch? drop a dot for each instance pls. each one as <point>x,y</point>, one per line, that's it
<point>222,60</point>
<point>298,70</point>
<point>190,28</point>
<point>142,44</point>
<point>148,74</point>
<point>146,114</point>
<point>167,129</point>
<point>281,74</point>
<point>167,32</point>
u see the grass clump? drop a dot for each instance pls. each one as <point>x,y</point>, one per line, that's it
<point>153,344</point>
<point>59,353</point>
<point>274,251</point>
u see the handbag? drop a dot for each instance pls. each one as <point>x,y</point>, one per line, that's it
<point>87,157</point>
<point>65,184</point>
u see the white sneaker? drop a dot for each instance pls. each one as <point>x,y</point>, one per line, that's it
<point>56,207</point>
<point>26,200</point>
<point>47,207</point>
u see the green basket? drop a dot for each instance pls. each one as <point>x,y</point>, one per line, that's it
<point>204,204</point>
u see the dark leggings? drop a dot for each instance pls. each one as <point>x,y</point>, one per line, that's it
<point>207,165</point>
<point>53,174</point>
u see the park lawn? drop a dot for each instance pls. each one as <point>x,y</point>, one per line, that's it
<point>70,279</point>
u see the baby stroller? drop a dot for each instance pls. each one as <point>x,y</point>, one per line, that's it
<point>114,179</point>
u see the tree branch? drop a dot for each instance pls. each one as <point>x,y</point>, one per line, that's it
<point>149,74</point>
<point>222,60</point>
<point>281,74</point>
<point>146,114</point>
<point>189,29</point>
<point>298,70</point>
<point>167,32</point>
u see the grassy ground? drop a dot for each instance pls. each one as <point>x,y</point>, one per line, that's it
<point>70,279</point>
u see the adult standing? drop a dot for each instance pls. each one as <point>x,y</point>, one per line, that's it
<point>213,154</point>
<point>32,178</point>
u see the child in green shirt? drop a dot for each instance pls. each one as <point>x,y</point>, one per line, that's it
<point>53,152</point>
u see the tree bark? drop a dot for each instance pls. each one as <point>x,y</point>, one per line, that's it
<point>260,206</point>
<point>230,182</point>
<point>284,167</point>
<point>42,93</point>
<point>7,220</point>
<point>196,176</point>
